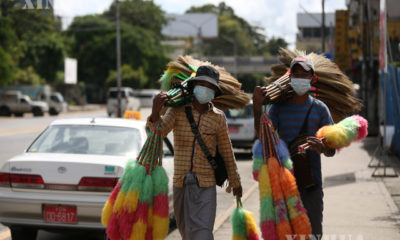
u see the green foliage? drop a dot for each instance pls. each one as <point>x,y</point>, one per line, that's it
<point>28,76</point>
<point>140,13</point>
<point>6,67</point>
<point>96,51</point>
<point>232,31</point>
<point>129,77</point>
<point>274,44</point>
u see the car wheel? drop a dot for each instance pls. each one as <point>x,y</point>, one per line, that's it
<point>37,112</point>
<point>23,233</point>
<point>53,112</point>
<point>4,111</point>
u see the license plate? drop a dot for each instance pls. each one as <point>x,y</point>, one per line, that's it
<point>59,214</point>
<point>233,129</point>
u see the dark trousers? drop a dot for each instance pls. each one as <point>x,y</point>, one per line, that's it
<point>312,199</point>
<point>195,209</point>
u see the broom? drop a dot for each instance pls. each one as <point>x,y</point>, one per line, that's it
<point>138,206</point>
<point>333,87</point>
<point>243,223</point>
<point>179,72</point>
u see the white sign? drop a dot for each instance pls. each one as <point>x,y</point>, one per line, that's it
<point>70,71</point>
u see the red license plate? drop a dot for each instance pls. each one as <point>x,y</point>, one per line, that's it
<point>233,129</point>
<point>59,214</point>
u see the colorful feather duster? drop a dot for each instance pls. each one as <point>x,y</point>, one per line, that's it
<point>244,225</point>
<point>282,212</point>
<point>179,72</point>
<point>333,87</point>
<point>342,134</point>
<point>138,206</point>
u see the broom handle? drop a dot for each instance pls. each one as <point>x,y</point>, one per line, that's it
<point>238,202</point>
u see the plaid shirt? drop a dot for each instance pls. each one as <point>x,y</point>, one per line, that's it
<point>188,154</point>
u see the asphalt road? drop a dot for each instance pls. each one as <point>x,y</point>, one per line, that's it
<point>16,134</point>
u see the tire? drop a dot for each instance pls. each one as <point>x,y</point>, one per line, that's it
<point>19,114</point>
<point>23,233</point>
<point>53,112</point>
<point>5,111</point>
<point>37,112</point>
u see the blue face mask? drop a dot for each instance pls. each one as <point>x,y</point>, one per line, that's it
<point>203,94</point>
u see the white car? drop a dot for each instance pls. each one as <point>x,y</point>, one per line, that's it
<point>63,179</point>
<point>146,97</point>
<point>241,127</point>
<point>128,101</point>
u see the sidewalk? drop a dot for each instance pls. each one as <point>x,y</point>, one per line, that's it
<point>357,206</point>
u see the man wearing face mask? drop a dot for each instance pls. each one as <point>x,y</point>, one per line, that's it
<point>298,119</point>
<point>194,186</point>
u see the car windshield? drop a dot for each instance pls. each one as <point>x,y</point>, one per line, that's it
<point>114,94</point>
<point>246,112</point>
<point>83,139</point>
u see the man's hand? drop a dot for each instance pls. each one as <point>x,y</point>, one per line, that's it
<point>317,145</point>
<point>238,191</point>
<point>158,103</point>
<point>259,94</point>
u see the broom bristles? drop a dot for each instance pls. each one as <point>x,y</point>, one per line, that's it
<point>334,88</point>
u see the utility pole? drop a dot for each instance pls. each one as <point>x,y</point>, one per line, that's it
<point>118,58</point>
<point>323,27</point>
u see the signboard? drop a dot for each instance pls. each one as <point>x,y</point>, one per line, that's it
<point>70,71</point>
<point>382,37</point>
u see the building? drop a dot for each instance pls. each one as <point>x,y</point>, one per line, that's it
<point>309,37</point>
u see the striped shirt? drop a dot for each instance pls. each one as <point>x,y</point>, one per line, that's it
<point>188,155</point>
<point>288,119</point>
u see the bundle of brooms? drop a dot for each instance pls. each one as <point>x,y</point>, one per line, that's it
<point>333,87</point>
<point>179,72</point>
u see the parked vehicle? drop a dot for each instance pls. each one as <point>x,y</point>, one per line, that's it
<point>41,93</point>
<point>146,96</point>
<point>128,101</point>
<point>62,181</point>
<point>14,102</point>
<point>241,126</point>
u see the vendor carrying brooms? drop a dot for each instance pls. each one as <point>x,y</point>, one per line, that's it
<point>297,119</point>
<point>194,184</point>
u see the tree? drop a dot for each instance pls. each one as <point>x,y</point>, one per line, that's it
<point>95,50</point>
<point>274,44</point>
<point>129,77</point>
<point>231,28</point>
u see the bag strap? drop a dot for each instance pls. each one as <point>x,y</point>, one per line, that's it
<point>197,135</point>
<point>304,127</point>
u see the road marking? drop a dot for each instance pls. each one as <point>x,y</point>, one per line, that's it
<point>21,131</point>
<point>227,213</point>
<point>5,235</point>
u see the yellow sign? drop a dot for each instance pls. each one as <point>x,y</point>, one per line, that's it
<point>132,115</point>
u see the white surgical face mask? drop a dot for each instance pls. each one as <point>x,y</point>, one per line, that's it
<point>203,94</point>
<point>300,85</point>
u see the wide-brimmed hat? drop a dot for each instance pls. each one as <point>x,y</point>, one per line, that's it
<point>208,74</point>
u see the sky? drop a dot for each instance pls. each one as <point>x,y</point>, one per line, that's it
<point>277,17</point>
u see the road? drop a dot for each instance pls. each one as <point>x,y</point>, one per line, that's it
<point>17,133</point>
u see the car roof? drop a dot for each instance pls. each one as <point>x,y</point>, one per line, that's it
<point>116,122</point>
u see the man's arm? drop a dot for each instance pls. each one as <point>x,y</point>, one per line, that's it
<point>226,151</point>
<point>167,121</point>
<point>258,100</point>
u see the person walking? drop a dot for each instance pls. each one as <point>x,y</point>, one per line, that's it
<point>296,121</point>
<point>194,184</point>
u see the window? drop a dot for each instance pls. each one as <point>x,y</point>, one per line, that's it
<point>84,139</point>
